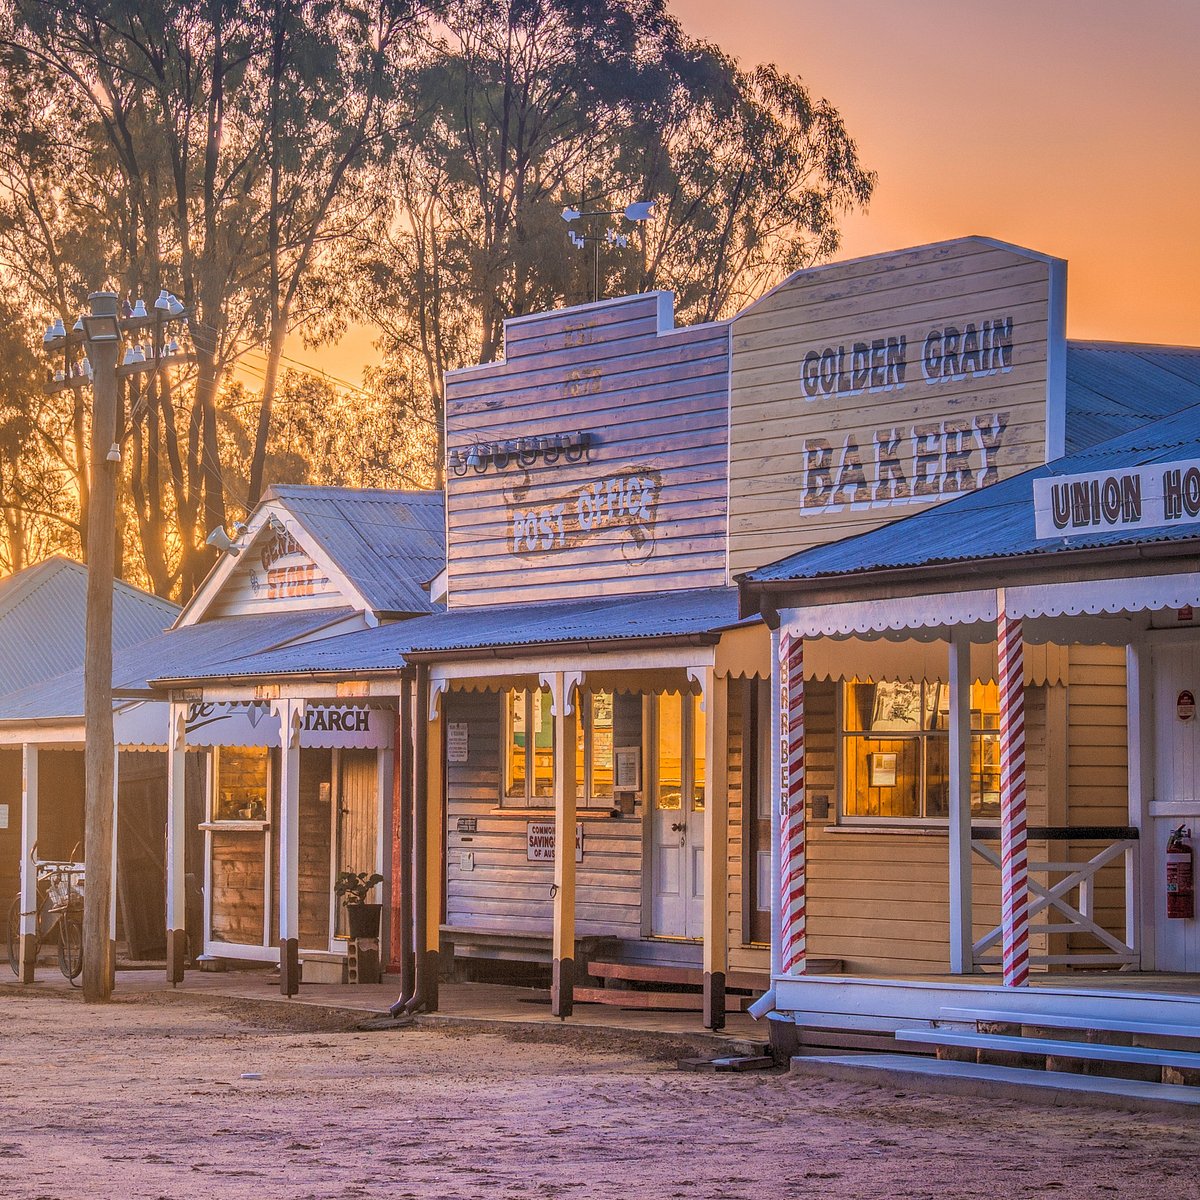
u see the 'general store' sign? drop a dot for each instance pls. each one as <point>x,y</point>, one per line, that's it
<point>1150,497</point>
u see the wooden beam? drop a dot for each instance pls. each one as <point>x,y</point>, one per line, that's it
<point>961,956</point>
<point>435,840</point>
<point>29,836</point>
<point>562,992</point>
<point>715,714</point>
<point>291,720</point>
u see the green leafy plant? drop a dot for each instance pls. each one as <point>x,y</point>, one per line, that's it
<point>353,886</point>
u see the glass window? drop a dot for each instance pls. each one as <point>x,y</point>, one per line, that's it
<point>896,750</point>
<point>240,792</point>
<point>679,752</point>
<point>529,743</point>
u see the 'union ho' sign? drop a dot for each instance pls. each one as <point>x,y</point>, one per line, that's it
<point>1150,497</point>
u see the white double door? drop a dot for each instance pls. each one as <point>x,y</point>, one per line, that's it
<point>1175,796</point>
<point>677,833</point>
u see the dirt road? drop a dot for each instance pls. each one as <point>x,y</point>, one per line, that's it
<point>146,1099</point>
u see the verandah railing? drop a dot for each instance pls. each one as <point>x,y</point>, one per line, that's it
<point>1062,897</point>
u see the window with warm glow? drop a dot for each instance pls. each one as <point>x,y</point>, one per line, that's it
<point>896,750</point>
<point>679,752</point>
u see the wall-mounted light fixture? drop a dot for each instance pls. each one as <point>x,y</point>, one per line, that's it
<point>568,447</point>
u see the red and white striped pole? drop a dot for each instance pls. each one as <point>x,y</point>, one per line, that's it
<point>1014,859</point>
<point>792,835</point>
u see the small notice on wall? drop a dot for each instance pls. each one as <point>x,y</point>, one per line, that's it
<point>3,816</point>
<point>539,841</point>
<point>457,742</point>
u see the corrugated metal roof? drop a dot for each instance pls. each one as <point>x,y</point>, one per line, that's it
<point>997,521</point>
<point>662,614</point>
<point>1115,387</point>
<point>389,544</point>
<point>43,616</point>
<point>190,649</point>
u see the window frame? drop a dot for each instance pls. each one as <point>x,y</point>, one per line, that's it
<point>978,737</point>
<point>530,800</point>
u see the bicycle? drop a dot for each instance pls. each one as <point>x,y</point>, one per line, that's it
<point>59,917</point>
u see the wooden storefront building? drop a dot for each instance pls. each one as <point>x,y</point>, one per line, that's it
<point>591,683</point>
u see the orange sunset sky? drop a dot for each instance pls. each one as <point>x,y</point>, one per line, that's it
<point>1069,126</point>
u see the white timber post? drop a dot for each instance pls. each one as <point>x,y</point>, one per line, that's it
<point>1140,876</point>
<point>176,840</point>
<point>776,760</point>
<point>563,686</point>
<point>29,837</point>
<point>961,939</point>
<point>291,721</point>
<point>714,702</point>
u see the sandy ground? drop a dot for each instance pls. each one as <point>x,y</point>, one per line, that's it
<point>145,1099</point>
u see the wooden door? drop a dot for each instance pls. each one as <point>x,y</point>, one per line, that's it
<point>357,820</point>
<point>1175,799</point>
<point>678,817</point>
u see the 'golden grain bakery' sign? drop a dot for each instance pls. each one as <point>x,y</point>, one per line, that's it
<point>865,388</point>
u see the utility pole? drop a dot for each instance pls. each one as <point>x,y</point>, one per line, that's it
<point>99,952</point>
<point>101,332</point>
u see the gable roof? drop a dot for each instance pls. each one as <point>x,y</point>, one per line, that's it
<point>613,619</point>
<point>389,544</point>
<point>1117,387</point>
<point>43,612</point>
<point>997,521</point>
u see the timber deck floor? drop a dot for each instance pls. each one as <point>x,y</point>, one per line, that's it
<point>466,1002</point>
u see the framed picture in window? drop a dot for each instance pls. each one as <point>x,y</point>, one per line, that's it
<point>883,770</point>
<point>628,768</point>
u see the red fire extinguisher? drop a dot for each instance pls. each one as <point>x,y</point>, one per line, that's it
<point>1181,874</point>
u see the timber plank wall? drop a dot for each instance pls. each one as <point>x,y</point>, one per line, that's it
<point>646,504</point>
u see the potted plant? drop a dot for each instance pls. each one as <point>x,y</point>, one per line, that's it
<point>363,918</point>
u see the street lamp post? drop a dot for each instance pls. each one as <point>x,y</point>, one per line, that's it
<point>101,332</point>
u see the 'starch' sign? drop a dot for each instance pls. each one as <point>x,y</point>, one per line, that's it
<point>539,841</point>
<point>326,726</point>
<point>1150,497</point>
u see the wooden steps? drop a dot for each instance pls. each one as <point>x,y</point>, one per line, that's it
<point>1131,1026</point>
<point>1054,1048</point>
<point>987,1082</point>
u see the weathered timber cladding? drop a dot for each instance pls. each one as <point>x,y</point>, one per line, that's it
<point>646,503</point>
<point>743,956</point>
<point>238,887</point>
<point>831,390</point>
<point>10,838</point>
<point>504,891</point>
<point>60,804</point>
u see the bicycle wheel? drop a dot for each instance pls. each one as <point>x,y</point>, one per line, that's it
<point>14,936</point>
<point>70,945</point>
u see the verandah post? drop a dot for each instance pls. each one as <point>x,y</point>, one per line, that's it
<point>961,939</point>
<point>176,838</point>
<point>291,720</point>
<point>1014,861</point>
<point>562,993</point>
<point>793,866</point>
<point>29,837</point>
<point>715,701</point>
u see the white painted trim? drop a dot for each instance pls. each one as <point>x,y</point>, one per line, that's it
<point>632,660</point>
<point>1105,595</point>
<point>900,613</point>
<point>29,836</point>
<point>1056,361</point>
